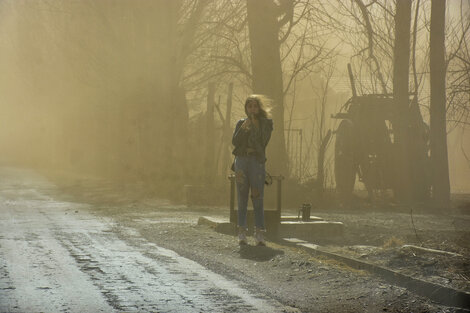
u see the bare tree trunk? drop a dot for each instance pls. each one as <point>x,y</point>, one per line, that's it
<point>438,136</point>
<point>209,137</point>
<point>321,165</point>
<point>267,73</point>
<point>227,135</point>
<point>370,39</point>
<point>400,95</point>
<point>176,115</point>
<point>413,62</point>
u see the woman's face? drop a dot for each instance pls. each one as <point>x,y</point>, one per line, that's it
<point>252,107</point>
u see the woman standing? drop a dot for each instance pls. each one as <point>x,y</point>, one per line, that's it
<point>250,139</point>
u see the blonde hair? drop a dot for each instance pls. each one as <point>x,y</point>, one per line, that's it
<point>264,104</point>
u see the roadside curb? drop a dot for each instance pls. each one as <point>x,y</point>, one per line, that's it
<point>438,293</point>
<point>289,225</point>
<point>219,225</point>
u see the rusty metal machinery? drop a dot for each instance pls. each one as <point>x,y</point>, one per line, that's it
<point>365,142</point>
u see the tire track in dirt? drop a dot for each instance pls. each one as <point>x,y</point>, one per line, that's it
<point>55,257</point>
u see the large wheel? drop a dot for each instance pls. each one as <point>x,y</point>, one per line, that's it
<point>345,163</point>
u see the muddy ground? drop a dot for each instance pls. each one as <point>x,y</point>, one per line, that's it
<point>293,276</point>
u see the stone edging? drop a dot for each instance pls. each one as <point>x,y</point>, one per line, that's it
<point>441,294</point>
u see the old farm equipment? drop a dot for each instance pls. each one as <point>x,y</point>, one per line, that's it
<point>364,143</point>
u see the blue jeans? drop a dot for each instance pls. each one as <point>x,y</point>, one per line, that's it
<point>250,175</point>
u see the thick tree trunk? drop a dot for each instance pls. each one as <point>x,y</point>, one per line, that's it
<point>411,159</point>
<point>267,74</point>
<point>175,113</point>
<point>438,136</point>
<point>400,95</point>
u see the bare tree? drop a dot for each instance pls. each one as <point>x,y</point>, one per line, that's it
<point>264,24</point>
<point>225,53</point>
<point>458,70</point>
<point>368,29</point>
<point>374,64</point>
<point>439,158</point>
<point>400,94</point>
<point>323,133</point>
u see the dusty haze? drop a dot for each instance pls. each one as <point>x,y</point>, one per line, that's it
<point>109,88</point>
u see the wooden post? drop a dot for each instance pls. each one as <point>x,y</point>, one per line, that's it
<point>279,195</point>
<point>233,218</point>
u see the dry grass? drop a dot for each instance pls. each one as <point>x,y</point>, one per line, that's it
<point>393,242</point>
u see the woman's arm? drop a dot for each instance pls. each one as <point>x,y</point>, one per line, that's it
<point>240,134</point>
<point>266,131</point>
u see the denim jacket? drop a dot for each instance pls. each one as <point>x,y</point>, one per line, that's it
<point>261,136</point>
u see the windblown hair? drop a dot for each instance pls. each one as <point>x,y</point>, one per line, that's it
<point>264,104</point>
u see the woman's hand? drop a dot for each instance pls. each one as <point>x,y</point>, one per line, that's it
<point>251,120</point>
<point>246,124</point>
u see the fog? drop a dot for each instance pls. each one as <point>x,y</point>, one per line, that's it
<point>79,81</point>
<point>120,89</point>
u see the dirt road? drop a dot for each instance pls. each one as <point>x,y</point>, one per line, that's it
<point>83,245</point>
<point>57,257</point>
